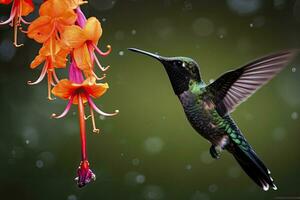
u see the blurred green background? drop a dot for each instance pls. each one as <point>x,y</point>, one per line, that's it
<point>149,151</point>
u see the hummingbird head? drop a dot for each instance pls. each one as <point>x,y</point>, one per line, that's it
<point>181,70</point>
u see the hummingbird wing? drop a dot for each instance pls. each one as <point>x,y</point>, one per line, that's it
<point>234,87</point>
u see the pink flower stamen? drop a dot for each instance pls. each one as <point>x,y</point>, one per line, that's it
<point>65,112</point>
<point>41,77</point>
<point>10,19</point>
<point>99,64</point>
<point>103,53</point>
<point>95,108</point>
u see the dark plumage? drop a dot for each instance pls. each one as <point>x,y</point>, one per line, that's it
<point>208,107</point>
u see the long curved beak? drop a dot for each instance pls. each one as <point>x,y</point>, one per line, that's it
<point>157,57</point>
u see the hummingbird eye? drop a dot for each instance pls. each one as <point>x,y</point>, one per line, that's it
<point>178,63</point>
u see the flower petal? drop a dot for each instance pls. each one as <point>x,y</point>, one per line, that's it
<point>60,10</point>
<point>27,7</point>
<point>5,1</point>
<point>83,97</point>
<point>40,29</point>
<point>65,89</point>
<point>61,58</point>
<point>96,90</point>
<point>82,57</point>
<point>73,36</point>
<point>68,18</point>
<point>93,30</point>
<point>53,8</point>
<point>75,3</point>
<point>37,61</point>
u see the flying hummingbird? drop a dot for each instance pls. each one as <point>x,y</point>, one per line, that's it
<point>208,107</point>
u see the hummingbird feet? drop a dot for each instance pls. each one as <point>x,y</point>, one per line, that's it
<point>215,151</point>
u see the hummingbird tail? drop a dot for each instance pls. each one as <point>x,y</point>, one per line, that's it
<point>254,167</point>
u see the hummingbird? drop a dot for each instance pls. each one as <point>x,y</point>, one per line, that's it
<point>208,106</point>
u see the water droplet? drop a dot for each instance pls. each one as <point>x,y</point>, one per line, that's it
<point>251,25</point>
<point>133,178</point>
<point>153,192</point>
<point>222,32</point>
<point>72,197</point>
<point>188,167</point>
<point>153,145</point>
<point>294,69</point>
<point>244,7</point>
<point>135,162</point>
<point>39,164</point>
<point>30,136</point>
<point>133,32</point>
<point>294,115</point>
<point>104,19</point>
<point>212,188</point>
<point>203,27</point>
<point>121,53</point>
<point>17,152</point>
<point>140,179</point>
<point>102,117</point>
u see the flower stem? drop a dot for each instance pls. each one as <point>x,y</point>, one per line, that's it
<point>16,25</point>
<point>82,128</point>
<point>49,74</point>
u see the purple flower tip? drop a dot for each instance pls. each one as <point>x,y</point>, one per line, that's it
<point>84,174</point>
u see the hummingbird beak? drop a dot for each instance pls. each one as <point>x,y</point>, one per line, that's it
<point>178,81</point>
<point>157,57</point>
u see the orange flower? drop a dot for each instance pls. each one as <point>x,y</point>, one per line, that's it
<point>81,93</point>
<point>84,41</point>
<point>65,89</point>
<point>19,9</point>
<point>75,3</point>
<point>53,54</point>
<point>54,16</point>
<point>5,1</point>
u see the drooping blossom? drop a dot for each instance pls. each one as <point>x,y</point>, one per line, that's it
<point>55,15</point>
<point>83,39</point>
<point>66,35</point>
<point>80,92</point>
<point>53,55</point>
<point>19,9</point>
